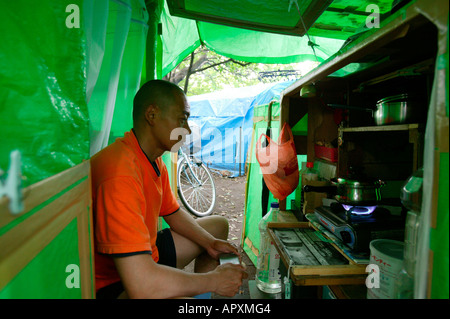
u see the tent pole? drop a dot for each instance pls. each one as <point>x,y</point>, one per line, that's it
<point>154,8</point>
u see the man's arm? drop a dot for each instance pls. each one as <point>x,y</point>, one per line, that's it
<point>143,278</point>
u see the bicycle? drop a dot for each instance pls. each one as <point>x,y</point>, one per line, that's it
<point>195,185</point>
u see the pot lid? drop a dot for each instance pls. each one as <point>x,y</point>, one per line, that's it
<point>393,98</point>
<point>358,183</point>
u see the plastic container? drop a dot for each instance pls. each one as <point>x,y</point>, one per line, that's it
<point>268,278</point>
<point>411,197</point>
<point>326,153</point>
<point>310,174</point>
<point>386,256</point>
<point>298,190</point>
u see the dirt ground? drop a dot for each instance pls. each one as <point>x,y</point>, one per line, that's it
<point>230,201</point>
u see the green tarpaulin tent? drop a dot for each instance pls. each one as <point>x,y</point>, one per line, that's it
<point>69,71</point>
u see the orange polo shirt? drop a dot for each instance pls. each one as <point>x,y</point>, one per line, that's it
<point>129,194</point>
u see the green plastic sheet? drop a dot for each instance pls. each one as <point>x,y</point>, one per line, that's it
<point>43,111</point>
<point>111,102</point>
<point>343,18</point>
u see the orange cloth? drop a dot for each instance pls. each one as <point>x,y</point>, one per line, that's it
<point>128,197</point>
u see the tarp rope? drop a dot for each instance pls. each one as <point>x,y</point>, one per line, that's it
<point>310,43</point>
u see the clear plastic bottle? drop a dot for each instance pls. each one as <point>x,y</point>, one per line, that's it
<point>311,174</point>
<point>411,198</point>
<point>307,174</point>
<point>268,278</point>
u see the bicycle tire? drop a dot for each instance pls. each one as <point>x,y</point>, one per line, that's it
<point>198,199</point>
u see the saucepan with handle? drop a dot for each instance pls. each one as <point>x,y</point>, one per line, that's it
<point>351,192</point>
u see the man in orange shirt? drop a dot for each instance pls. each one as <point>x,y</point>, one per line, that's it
<point>131,190</point>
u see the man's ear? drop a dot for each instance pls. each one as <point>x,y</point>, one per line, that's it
<point>150,114</point>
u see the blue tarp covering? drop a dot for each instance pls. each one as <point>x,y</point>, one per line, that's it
<point>222,124</point>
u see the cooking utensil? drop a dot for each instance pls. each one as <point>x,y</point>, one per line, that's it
<point>398,109</point>
<point>350,107</point>
<point>351,192</point>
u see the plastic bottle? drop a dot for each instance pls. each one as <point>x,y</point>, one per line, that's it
<point>268,278</point>
<point>311,174</point>
<point>411,198</point>
<point>307,173</point>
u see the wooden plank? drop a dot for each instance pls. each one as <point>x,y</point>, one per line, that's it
<point>329,270</point>
<point>247,184</point>
<point>381,128</point>
<point>252,247</point>
<point>257,119</point>
<point>289,225</point>
<point>23,242</point>
<point>397,27</point>
<point>85,246</point>
<point>39,192</point>
<point>328,280</point>
<point>278,246</point>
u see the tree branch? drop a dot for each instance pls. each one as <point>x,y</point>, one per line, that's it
<point>219,63</point>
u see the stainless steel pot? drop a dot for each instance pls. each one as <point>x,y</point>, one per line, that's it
<point>398,109</point>
<point>351,192</point>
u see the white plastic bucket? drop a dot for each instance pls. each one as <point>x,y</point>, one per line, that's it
<point>386,255</point>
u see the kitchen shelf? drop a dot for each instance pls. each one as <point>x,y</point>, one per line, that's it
<point>381,128</point>
<point>387,152</point>
<point>374,46</point>
<point>318,159</point>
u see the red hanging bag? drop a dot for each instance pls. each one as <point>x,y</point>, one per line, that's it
<point>279,163</point>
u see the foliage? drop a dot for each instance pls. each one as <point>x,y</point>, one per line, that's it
<point>205,71</point>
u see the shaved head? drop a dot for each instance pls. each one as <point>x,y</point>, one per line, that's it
<point>158,93</point>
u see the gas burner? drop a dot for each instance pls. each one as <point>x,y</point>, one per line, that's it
<point>359,210</point>
<point>357,230</point>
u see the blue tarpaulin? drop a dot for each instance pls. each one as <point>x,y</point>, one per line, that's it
<point>222,124</point>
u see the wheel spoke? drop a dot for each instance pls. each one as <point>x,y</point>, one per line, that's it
<point>198,198</point>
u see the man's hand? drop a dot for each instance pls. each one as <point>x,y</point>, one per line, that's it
<point>229,279</point>
<point>219,247</point>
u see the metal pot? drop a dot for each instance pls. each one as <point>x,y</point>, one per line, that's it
<point>351,192</point>
<point>398,109</point>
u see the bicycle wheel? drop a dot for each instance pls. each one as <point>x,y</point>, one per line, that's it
<point>198,198</point>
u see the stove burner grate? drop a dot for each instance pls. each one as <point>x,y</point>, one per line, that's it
<point>359,210</point>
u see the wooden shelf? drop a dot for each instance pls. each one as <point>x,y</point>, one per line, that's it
<point>380,128</point>
<point>396,27</point>
<point>388,152</point>
<point>318,159</point>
